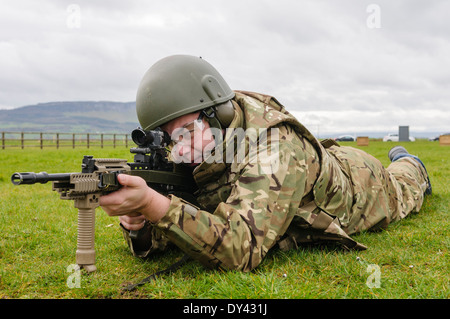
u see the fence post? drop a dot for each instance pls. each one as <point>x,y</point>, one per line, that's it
<point>56,138</point>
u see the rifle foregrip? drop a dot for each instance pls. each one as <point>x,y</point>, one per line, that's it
<point>85,254</point>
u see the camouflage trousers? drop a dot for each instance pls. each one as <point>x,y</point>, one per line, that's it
<point>380,195</point>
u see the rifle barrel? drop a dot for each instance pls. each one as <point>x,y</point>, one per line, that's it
<point>42,177</point>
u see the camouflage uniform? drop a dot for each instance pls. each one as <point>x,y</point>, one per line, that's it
<point>319,192</point>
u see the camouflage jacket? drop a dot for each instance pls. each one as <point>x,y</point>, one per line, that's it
<point>306,191</point>
<point>246,206</point>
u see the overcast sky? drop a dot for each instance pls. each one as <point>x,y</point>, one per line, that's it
<point>344,66</point>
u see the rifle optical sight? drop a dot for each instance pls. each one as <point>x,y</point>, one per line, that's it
<point>150,138</point>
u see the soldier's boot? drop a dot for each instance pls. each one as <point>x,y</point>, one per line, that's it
<point>398,152</point>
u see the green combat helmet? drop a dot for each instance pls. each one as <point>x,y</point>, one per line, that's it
<point>181,84</point>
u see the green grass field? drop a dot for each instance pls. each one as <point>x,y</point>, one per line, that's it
<point>38,241</point>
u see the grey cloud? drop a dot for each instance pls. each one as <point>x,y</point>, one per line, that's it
<point>315,56</point>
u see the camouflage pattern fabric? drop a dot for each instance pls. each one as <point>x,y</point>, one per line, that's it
<point>318,192</point>
<point>149,240</point>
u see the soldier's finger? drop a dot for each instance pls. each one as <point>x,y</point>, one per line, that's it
<point>128,180</point>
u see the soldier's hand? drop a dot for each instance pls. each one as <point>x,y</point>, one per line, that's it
<point>135,197</point>
<point>133,221</point>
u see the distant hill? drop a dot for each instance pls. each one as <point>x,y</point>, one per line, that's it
<point>106,117</point>
<point>76,117</point>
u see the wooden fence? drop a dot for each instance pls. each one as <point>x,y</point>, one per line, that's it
<point>46,139</point>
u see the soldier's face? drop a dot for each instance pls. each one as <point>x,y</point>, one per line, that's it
<point>191,137</point>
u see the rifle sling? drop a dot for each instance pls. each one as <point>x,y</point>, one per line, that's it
<point>175,266</point>
<point>162,177</point>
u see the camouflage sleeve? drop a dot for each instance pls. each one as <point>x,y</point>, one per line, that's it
<point>238,234</point>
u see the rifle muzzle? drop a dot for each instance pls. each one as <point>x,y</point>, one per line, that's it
<point>33,178</point>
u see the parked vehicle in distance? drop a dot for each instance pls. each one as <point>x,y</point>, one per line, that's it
<point>393,137</point>
<point>436,138</point>
<point>345,138</point>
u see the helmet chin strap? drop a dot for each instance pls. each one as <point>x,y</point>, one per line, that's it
<point>210,116</point>
<point>219,116</point>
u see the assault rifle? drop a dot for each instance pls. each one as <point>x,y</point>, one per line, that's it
<point>99,177</point>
